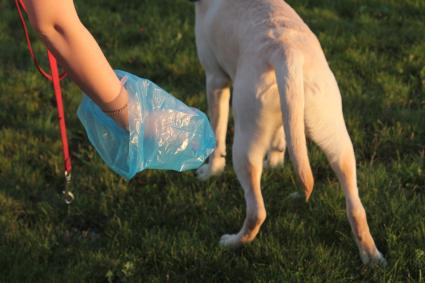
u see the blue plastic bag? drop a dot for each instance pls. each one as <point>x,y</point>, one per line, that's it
<point>164,133</point>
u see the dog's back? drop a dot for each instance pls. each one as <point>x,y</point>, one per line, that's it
<point>268,22</point>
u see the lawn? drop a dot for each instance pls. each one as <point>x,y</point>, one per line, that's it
<point>165,226</point>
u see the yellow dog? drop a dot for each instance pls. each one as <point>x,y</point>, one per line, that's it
<point>282,86</point>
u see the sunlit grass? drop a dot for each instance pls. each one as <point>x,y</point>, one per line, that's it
<point>165,226</point>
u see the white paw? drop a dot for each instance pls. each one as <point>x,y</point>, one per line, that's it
<point>230,241</point>
<point>203,172</point>
<point>373,260</point>
<point>213,168</point>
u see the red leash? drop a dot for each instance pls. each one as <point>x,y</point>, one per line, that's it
<point>55,78</point>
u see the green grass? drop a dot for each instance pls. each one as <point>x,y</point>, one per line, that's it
<point>165,226</point>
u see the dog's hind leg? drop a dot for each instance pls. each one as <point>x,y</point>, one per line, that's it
<point>326,127</point>
<point>256,116</point>
<point>248,165</point>
<point>218,97</point>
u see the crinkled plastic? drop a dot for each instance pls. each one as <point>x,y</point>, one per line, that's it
<point>164,133</point>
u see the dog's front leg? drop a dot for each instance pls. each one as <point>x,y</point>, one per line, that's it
<point>218,95</point>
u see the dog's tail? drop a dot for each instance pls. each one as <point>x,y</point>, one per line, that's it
<point>289,75</point>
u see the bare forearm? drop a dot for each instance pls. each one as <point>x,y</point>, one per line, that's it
<point>79,53</point>
<point>61,30</point>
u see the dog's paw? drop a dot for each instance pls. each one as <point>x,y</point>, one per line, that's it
<point>213,168</point>
<point>203,172</point>
<point>373,260</point>
<point>230,241</point>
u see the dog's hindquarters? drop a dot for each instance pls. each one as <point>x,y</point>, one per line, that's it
<point>318,110</point>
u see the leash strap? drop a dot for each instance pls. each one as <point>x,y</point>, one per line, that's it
<point>55,78</point>
<point>60,109</point>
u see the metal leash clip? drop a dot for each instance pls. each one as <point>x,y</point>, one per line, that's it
<point>68,196</point>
